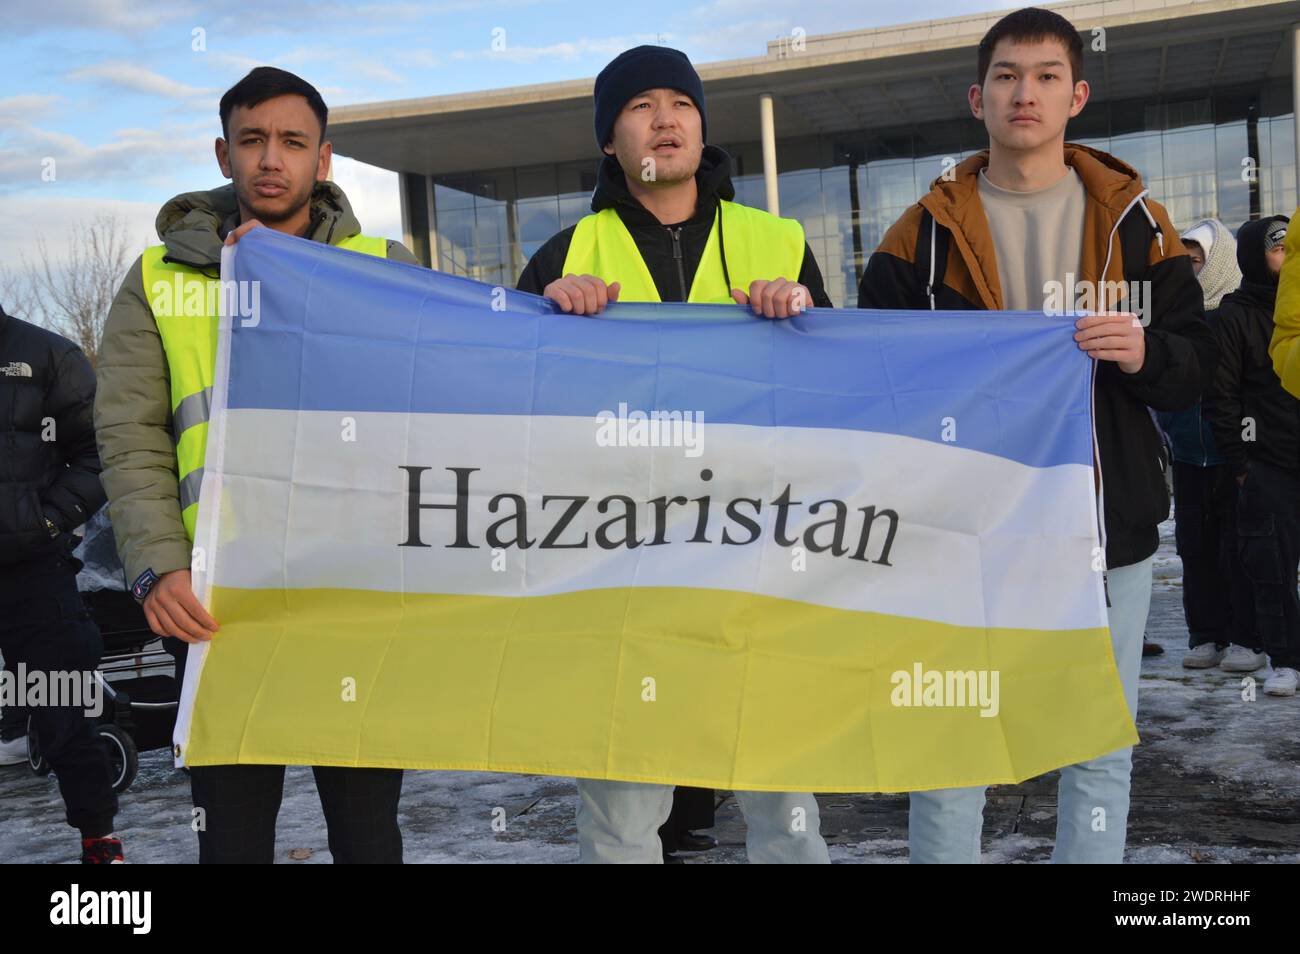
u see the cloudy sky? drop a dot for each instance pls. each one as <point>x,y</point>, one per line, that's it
<point>122,96</point>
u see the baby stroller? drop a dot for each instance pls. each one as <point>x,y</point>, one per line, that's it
<point>136,676</point>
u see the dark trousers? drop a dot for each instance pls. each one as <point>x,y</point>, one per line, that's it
<point>13,719</point>
<point>240,804</point>
<point>44,627</point>
<point>1268,534</point>
<point>692,811</point>
<point>1216,592</point>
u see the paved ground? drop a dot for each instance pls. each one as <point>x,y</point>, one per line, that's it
<point>1216,779</point>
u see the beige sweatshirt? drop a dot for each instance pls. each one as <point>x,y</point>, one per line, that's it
<point>1037,238</point>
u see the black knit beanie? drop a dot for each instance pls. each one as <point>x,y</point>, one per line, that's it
<point>637,70</point>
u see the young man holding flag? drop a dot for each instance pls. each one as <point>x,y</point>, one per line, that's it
<point>663,228</point>
<point>156,368</point>
<point>1006,229</point>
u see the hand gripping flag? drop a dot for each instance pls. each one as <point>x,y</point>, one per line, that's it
<point>443,526</point>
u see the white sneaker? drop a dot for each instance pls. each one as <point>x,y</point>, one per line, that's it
<point>1241,659</point>
<point>1283,682</point>
<point>15,752</point>
<point>1204,656</point>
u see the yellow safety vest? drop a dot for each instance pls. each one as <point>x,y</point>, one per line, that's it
<point>759,246</point>
<point>184,303</point>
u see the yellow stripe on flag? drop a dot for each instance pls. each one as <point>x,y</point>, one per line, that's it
<point>713,688</point>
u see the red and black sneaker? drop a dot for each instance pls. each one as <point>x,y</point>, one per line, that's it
<point>102,851</point>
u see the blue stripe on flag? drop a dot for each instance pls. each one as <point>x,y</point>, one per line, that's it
<point>341,331</point>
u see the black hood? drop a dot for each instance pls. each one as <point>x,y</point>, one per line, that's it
<point>1250,251</point>
<point>712,179</point>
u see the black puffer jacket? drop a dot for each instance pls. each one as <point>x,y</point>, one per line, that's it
<point>49,468</point>
<point>657,242</point>
<point>1253,417</point>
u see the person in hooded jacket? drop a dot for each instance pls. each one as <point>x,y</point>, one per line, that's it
<point>1257,427</point>
<point>156,368</point>
<point>49,485</point>
<point>1216,602</point>
<point>1001,231</point>
<point>664,228</point>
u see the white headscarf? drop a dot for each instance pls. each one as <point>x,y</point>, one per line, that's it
<point>1220,274</point>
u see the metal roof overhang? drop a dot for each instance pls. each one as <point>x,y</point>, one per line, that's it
<point>913,74</point>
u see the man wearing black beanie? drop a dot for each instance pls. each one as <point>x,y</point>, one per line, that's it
<point>664,228</point>
<point>1257,429</point>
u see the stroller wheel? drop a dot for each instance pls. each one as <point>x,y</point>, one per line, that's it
<point>35,760</point>
<point>123,759</point>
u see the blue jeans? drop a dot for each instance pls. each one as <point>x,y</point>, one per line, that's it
<point>944,825</point>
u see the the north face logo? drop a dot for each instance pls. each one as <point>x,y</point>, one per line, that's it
<point>16,369</point>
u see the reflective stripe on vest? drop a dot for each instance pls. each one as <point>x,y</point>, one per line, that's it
<point>184,301</point>
<point>758,247</point>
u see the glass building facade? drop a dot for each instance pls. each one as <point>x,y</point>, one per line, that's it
<point>1229,155</point>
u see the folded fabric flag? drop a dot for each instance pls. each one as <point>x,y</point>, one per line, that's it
<point>445,527</point>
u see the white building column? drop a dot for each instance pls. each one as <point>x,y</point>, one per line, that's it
<point>404,201</point>
<point>419,215</point>
<point>768,135</point>
<point>432,211</point>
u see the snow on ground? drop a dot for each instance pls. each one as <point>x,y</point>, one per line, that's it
<point>1216,780</point>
